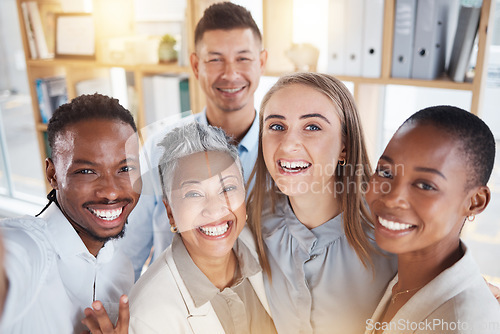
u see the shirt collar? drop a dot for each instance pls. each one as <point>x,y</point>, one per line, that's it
<point>316,238</point>
<point>248,143</point>
<point>199,286</point>
<point>66,241</point>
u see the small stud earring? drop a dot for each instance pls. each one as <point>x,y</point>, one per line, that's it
<point>471,218</point>
<point>173,229</point>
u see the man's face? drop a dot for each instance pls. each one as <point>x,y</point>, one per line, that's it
<point>94,168</point>
<point>228,65</point>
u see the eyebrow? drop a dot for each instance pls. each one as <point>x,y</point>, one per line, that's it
<point>188,182</point>
<point>315,115</point>
<point>301,117</point>
<point>418,169</point>
<point>90,163</point>
<point>274,116</point>
<point>217,53</point>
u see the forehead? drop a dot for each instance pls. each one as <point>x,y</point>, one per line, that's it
<point>97,137</point>
<point>205,165</point>
<point>236,40</point>
<point>300,99</point>
<point>426,145</point>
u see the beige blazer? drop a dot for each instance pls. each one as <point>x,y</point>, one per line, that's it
<point>456,301</point>
<point>161,303</point>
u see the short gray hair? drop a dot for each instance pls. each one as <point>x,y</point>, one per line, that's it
<point>188,139</point>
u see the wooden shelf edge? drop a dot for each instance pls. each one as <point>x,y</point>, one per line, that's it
<point>42,127</point>
<point>443,82</point>
<point>147,68</point>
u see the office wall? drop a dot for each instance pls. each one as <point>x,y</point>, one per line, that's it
<point>12,65</point>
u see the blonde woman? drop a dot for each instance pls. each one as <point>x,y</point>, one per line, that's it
<point>307,209</point>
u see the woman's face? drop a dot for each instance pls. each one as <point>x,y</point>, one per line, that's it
<point>301,140</point>
<point>207,203</point>
<point>418,193</point>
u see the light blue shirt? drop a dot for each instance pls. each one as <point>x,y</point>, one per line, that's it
<point>148,223</point>
<point>319,285</point>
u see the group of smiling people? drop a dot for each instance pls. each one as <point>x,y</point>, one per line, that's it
<point>308,239</point>
<point>322,271</point>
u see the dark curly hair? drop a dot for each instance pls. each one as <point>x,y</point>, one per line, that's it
<point>225,16</point>
<point>85,107</point>
<point>472,133</point>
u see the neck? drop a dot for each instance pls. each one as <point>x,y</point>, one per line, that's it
<point>313,210</point>
<point>93,245</point>
<point>220,271</point>
<point>416,269</point>
<point>234,123</point>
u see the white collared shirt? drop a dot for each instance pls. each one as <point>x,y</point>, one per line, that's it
<point>53,277</point>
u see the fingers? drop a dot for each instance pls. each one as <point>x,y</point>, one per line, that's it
<point>98,322</point>
<point>123,316</point>
<point>4,282</point>
<point>495,290</point>
<point>97,319</point>
<point>90,321</point>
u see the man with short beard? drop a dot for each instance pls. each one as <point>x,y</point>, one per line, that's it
<point>57,264</point>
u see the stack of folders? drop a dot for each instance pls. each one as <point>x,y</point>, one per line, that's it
<point>468,24</point>
<point>419,43</point>
<point>51,93</point>
<point>355,37</point>
<point>165,96</point>
<point>34,30</point>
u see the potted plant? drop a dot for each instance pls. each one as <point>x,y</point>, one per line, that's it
<point>166,51</point>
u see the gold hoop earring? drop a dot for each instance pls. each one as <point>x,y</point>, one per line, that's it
<point>173,229</point>
<point>471,218</point>
<point>342,162</point>
<point>246,218</point>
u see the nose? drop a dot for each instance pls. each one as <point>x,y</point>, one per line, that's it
<point>290,142</point>
<point>394,196</point>
<point>107,188</point>
<point>216,207</point>
<point>230,70</point>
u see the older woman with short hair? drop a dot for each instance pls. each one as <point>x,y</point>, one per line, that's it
<point>209,280</point>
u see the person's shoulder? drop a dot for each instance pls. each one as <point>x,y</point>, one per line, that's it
<point>155,300</point>
<point>25,230</point>
<point>156,281</point>
<point>273,216</point>
<point>474,309</point>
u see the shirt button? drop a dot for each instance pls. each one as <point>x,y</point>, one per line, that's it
<point>313,257</point>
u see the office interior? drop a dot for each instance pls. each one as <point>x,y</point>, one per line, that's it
<point>22,184</point>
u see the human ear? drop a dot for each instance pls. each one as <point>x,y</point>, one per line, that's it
<point>194,60</point>
<point>50,173</point>
<point>169,213</point>
<point>343,153</point>
<point>263,61</point>
<point>479,200</point>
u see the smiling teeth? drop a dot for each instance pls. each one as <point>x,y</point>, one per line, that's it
<point>393,226</point>
<point>214,231</point>
<point>294,166</point>
<point>230,90</point>
<point>107,214</point>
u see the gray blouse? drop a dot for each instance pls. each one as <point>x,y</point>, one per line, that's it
<point>319,285</point>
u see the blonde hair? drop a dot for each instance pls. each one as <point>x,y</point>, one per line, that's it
<point>355,173</point>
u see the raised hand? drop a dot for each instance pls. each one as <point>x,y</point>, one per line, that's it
<point>98,322</point>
